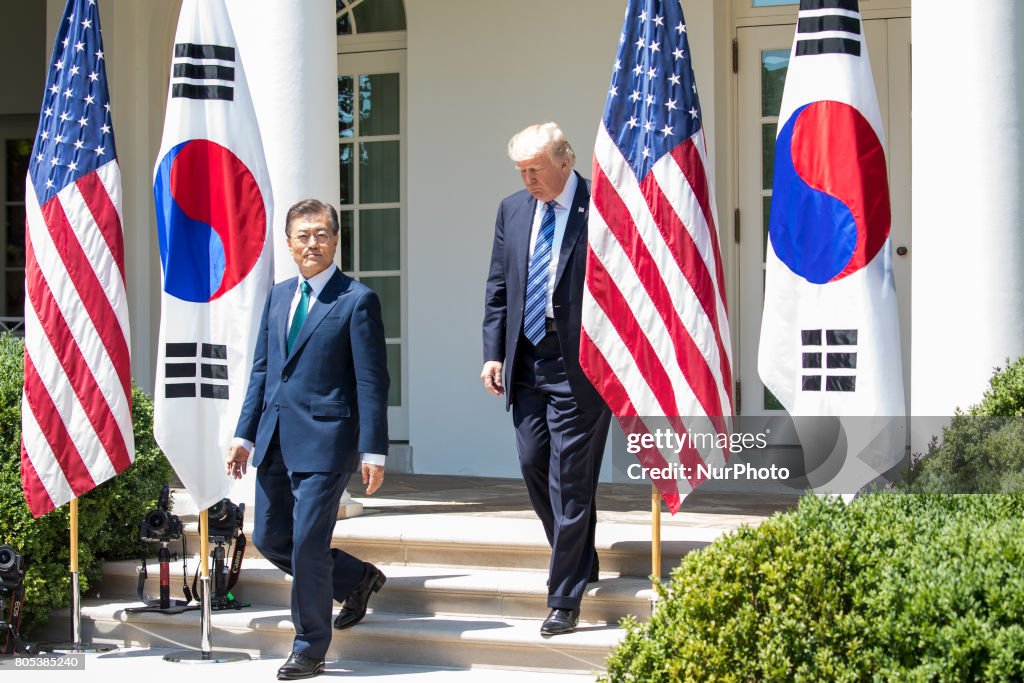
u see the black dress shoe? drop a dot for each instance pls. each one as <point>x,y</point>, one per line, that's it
<point>560,621</point>
<point>300,666</point>
<point>354,608</point>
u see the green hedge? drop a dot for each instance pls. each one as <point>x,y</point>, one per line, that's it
<point>982,449</point>
<point>108,516</point>
<point>890,587</point>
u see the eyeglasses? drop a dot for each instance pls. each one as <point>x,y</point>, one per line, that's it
<point>320,238</point>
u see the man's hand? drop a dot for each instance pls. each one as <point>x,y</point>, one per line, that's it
<point>491,377</point>
<point>373,477</point>
<point>237,461</point>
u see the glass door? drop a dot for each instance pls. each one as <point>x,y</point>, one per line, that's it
<point>371,158</point>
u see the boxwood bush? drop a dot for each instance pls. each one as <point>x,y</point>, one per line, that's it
<point>108,515</point>
<point>890,587</point>
<point>982,449</point>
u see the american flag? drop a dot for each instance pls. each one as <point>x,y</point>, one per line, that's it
<point>655,337</point>
<point>76,405</point>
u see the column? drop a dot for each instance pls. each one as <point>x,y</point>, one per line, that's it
<point>289,49</point>
<point>968,211</point>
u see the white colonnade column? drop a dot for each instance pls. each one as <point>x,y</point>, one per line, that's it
<point>968,199</point>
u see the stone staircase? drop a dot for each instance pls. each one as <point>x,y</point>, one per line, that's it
<point>464,589</point>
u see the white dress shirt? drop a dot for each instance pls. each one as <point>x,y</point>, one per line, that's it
<point>563,204</point>
<point>317,282</point>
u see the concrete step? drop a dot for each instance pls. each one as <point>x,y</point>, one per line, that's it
<point>499,542</point>
<point>415,590</point>
<point>385,637</point>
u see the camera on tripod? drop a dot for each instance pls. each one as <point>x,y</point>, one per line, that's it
<point>224,521</point>
<point>161,525</point>
<point>12,568</point>
<point>12,589</point>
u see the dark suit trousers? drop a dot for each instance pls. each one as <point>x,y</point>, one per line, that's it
<point>560,452</point>
<point>292,527</point>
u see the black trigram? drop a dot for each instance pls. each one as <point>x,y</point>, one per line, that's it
<point>829,17</point>
<point>840,360</point>
<point>203,72</point>
<point>183,367</point>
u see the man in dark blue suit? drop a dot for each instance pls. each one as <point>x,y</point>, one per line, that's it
<point>531,331</point>
<point>317,399</point>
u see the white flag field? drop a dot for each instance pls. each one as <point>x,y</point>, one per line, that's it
<point>830,342</point>
<point>214,215</point>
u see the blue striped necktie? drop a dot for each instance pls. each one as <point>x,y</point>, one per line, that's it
<point>534,318</point>
<point>299,316</point>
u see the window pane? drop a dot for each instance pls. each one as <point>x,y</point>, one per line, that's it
<point>770,402</point>
<point>378,172</point>
<point>395,370</point>
<point>774,65</point>
<point>379,15</point>
<point>18,152</point>
<point>345,108</point>
<point>344,25</point>
<point>379,241</point>
<point>378,104</point>
<point>767,154</point>
<point>766,206</point>
<point>15,237</point>
<point>15,300</point>
<point>388,288</point>
<point>773,3</point>
<point>346,165</point>
<point>345,219</point>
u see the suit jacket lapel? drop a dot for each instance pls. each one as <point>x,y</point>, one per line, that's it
<point>325,302</point>
<point>279,313</point>
<point>578,213</point>
<point>524,218</point>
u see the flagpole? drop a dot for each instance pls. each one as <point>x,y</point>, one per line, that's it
<point>655,538</point>
<point>205,654</point>
<point>76,645</point>
<point>76,595</point>
<point>205,642</point>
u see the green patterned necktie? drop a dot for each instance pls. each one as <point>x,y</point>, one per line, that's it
<point>300,314</point>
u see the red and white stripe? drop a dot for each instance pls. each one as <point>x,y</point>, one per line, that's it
<point>655,339</point>
<point>76,404</point>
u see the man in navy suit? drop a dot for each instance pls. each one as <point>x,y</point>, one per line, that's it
<point>531,332</point>
<point>317,399</point>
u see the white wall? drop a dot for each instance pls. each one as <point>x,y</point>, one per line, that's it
<point>478,72</point>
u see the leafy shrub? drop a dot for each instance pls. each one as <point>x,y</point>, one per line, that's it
<point>982,450</point>
<point>1005,394</point>
<point>108,515</point>
<point>890,587</point>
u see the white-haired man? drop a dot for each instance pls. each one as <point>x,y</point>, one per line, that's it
<point>531,333</point>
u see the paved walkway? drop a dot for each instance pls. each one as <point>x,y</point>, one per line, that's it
<point>148,666</point>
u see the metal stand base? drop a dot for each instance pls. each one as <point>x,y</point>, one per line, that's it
<point>200,657</point>
<point>76,648</point>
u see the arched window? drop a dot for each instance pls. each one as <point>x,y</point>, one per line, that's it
<point>356,17</point>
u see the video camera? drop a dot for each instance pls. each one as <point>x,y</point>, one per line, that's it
<point>160,525</point>
<point>224,521</point>
<point>12,568</point>
<point>12,588</point>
